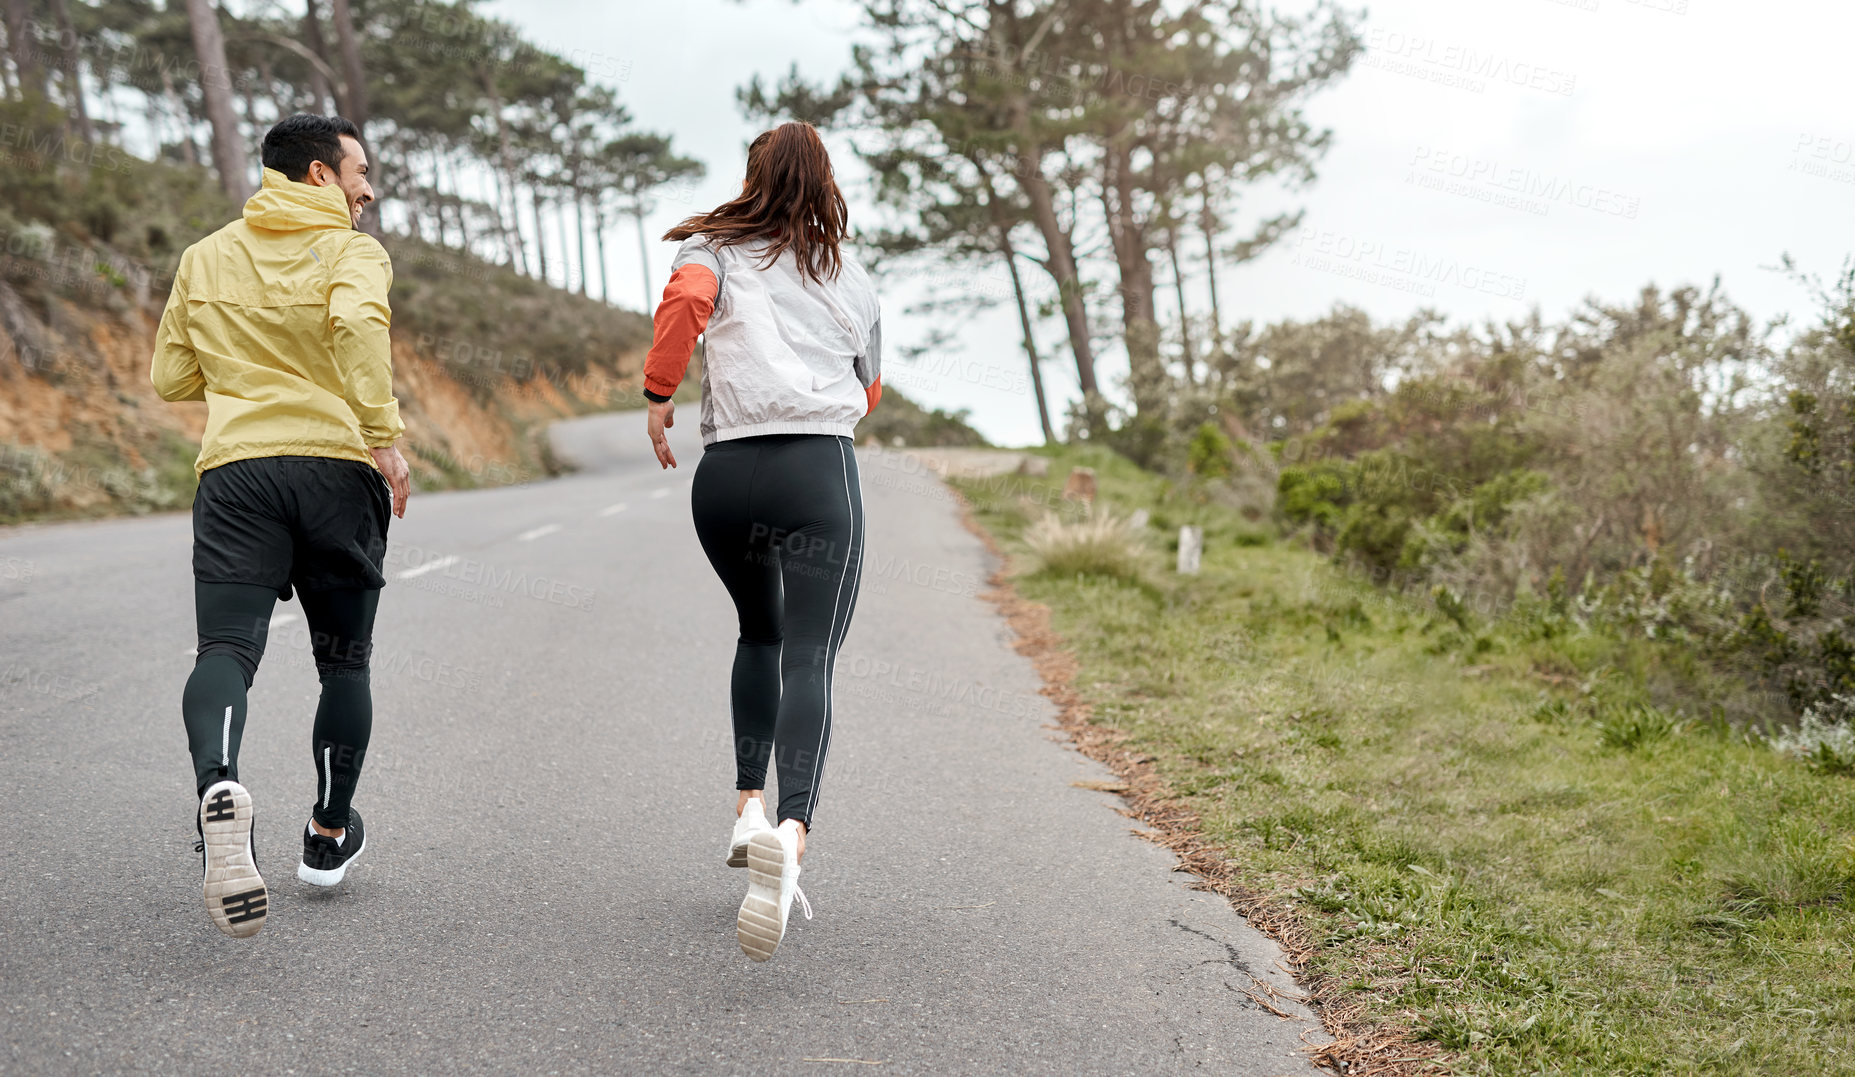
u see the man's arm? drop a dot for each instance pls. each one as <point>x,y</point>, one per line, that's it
<point>176,369</point>
<point>358,322</point>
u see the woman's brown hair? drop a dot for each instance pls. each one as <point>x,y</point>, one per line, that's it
<point>790,198</point>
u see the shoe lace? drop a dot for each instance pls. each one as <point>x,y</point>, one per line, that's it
<point>804,905</point>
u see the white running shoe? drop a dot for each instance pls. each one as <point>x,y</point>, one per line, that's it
<point>752,818</point>
<point>235,894</point>
<point>772,883</point>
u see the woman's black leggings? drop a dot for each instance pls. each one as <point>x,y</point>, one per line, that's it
<point>781,519</point>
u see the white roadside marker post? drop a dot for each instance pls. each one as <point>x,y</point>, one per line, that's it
<point>1191,549</point>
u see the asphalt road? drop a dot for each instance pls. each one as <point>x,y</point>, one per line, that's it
<point>548,798</point>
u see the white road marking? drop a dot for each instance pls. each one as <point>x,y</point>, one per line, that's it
<point>429,566</point>
<point>539,532</point>
<point>612,510</point>
<point>660,493</point>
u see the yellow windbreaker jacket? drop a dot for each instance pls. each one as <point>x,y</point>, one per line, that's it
<point>279,322</point>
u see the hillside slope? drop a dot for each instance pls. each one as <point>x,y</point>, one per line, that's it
<point>483,357</point>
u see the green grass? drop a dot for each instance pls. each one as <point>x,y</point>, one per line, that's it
<point>1508,844</point>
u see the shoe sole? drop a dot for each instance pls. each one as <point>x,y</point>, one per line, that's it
<point>235,894</point>
<point>330,876</point>
<point>759,926</point>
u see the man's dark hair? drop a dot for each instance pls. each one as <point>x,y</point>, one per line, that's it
<point>297,140</point>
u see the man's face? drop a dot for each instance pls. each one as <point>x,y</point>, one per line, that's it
<point>352,179</point>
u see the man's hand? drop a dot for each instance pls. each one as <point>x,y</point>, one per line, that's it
<point>398,476</point>
<point>663,416</point>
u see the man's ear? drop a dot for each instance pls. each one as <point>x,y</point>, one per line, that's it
<point>319,179</point>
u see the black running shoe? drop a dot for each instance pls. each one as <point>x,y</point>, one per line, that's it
<point>235,895</point>
<point>324,860</point>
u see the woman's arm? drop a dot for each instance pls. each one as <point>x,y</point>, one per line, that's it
<point>869,367</point>
<point>688,300</point>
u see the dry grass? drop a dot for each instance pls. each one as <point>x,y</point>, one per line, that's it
<point>1099,544</point>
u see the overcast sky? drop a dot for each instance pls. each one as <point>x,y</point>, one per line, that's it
<point>1489,156</point>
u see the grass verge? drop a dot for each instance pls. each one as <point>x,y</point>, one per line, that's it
<point>1487,849</point>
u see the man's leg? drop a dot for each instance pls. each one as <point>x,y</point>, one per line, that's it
<point>233,621</point>
<point>341,630</point>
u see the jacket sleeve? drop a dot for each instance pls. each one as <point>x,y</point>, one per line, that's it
<point>359,319</point>
<point>869,367</point>
<point>176,368</point>
<point>688,300</point>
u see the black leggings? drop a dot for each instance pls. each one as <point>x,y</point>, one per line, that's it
<point>234,620</point>
<point>781,519</point>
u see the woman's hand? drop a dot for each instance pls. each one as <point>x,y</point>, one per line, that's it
<point>663,416</point>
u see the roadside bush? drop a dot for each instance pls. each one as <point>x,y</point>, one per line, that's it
<point>1099,544</point>
<point>1824,738</point>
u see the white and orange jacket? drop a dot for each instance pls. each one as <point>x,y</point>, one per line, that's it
<point>784,354</point>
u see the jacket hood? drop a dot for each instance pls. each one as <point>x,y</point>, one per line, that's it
<point>284,205</point>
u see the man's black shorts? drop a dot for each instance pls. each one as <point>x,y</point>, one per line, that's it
<point>311,522</point>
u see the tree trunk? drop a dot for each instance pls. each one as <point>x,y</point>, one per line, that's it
<point>440,201</point>
<point>579,227</point>
<point>1178,288</point>
<point>605,286</point>
<point>505,167</point>
<point>1062,268</point>
<point>1030,344</point>
<point>73,75</point>
<point>566,250</point>
<point>356,104</point>
<point>21,43</point>
<point>502,218</point>
<point>319,87</point>
<point>534,200</point>
<point>1146,375</point>
<point>355,99</point>
<point>6,70</point>
<point>179,110</point>
<point>1207,223</point>
<point>215,82</point>
<point>1006,248</point>
<point>644,254</point>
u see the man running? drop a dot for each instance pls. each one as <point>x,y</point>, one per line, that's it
<point>279,322</point>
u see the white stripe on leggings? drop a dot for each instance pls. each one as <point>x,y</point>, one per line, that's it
<point>225,741</point>
<point>831,639</point>
<point>328,777</point>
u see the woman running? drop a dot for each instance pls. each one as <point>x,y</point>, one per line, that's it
<point>793,360</point>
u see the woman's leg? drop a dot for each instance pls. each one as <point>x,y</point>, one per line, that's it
<point>737,546</point>
<point>813,481</point>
